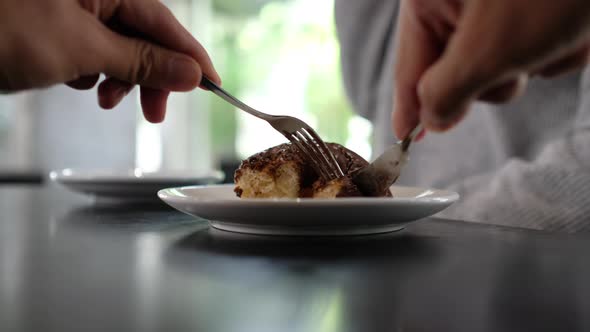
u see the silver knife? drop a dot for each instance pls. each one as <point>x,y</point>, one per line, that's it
<point>379,175</point>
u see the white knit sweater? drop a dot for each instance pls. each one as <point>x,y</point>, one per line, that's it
<point>524,164</point>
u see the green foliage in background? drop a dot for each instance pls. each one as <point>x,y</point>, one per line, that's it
<point>239,8</point>
<point>327,102</point>
<point>249,36</point>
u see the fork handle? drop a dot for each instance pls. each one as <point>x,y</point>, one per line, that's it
<point>207,83</point>
<point>406,142</point>
<point>216,89</point>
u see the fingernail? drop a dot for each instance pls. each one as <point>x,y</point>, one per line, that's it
<point>110,101</point>
<point>118,95</point>
<point>183,74</point>
<point>216,78</point>
<point>436,123</point>
<point>420,135</point>
<point>122,91</point>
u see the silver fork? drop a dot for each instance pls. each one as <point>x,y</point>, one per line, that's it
<point>298,132</point>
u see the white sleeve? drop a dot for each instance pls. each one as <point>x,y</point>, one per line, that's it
<point>550,192</point>
<point>365,31</point>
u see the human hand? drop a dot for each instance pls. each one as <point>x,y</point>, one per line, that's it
<point>453,52</point>
<point>130,41</point>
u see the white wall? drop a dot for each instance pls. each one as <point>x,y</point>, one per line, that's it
<point>15,132</point>
<point>71,130</point>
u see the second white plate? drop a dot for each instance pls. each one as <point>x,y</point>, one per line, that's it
<point>129,185</point>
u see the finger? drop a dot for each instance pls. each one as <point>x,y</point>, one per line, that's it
<point>139,62</point>
<point>154,20</point>
<point>463,72</point>
<point>84,82</point>
<point>506,91</point>
<point>153,104</point>
<point>111,91</point>
<point>417,48</point>
<point>577,60</point>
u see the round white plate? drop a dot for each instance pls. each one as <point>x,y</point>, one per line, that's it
<point>131,184</point>
<point>342,216</point>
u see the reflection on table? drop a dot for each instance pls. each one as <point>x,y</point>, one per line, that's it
<point>67,264</point>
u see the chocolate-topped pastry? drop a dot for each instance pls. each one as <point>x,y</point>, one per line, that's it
<point>282,172</point>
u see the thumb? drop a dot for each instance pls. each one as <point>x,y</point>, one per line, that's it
<point>140,62</point>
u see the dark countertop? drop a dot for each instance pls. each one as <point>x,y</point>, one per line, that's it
<point>10,177</point>
<point>68,265</point>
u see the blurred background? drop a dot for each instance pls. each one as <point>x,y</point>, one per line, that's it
<point>280,56</point>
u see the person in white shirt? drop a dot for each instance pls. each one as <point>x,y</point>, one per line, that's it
<point>526,163</point>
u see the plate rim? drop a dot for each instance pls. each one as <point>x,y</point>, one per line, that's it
<point>93,176</point>
<point>165,195</point>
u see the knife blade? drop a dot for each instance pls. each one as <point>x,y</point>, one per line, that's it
<point>375,178</point>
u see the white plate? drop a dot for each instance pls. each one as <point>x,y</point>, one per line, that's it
<point>131,184</point>
<point>343,216</point>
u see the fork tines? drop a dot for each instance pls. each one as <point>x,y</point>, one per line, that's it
<point>317,152</point>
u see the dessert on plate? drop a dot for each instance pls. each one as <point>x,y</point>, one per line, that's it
<point>282,172</point>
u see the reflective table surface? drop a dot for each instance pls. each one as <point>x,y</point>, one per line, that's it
<point>67,264</point>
